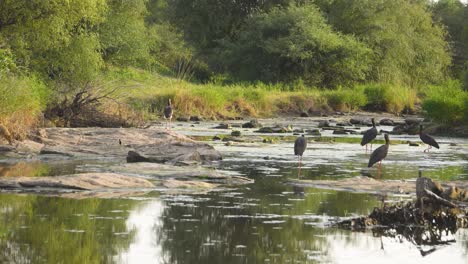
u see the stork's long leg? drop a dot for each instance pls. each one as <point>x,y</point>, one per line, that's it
<point>300,164</point>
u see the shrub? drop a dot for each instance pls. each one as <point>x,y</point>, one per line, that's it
<point>21,103</point>
<point>345,99</point>
<point>446,103</point>
<point>385,97</point>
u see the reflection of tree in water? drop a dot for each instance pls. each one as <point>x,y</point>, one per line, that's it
<point>432,236</point>
<point>37,229</point>
<point>262,223</point>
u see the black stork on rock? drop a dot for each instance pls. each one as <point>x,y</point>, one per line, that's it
<point>430,141</point>
<point>369,135</point>
<point>300,146</point>
<point>379,153</point>
<point>168,111</point>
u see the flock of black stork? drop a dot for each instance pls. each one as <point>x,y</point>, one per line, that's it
<point>378,154</point>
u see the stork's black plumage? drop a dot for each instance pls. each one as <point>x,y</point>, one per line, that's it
<point>168,111</point>
<point>427,139</point>
<point>380,153</point>
<point>369,135</point>
<point>300,145</point>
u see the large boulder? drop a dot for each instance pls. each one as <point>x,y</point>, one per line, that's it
<point>174,153</point>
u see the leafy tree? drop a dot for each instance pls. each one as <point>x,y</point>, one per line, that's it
<point>293,43</point>
<point>123,35</point>
<point>43,34</point>
<point>454,15</point>
<point>204,22</point>
<point>409,47</point>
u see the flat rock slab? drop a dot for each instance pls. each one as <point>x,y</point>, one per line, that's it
<point>370,185</point>
<point>184,173</point>
<point>176,184</point>
<point>82,181</point>
<point>153,145</point>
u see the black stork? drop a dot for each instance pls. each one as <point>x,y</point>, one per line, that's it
<point>300,146</point>
<point>168,111</point>
<point>369,135</point>
<point>430,141</point>
<point>379,153</point>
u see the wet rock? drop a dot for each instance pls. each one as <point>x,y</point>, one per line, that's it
<point>6,149</point>
<point>177,184</point>
<point>323,123</point>
<point>269,141</point>
<point>82,181</point>
<point>298,130</point>
<point>174,152</point>
<point>304,114</point>
<point>413,120</point>
<point>453,144</point>
<point>316,113</point>
<point>386,122</point>
<point>182,119</point>
<point>343,123</point>
<point>229,143</point>
<point>165,172</point>
<point>196,118</point>
<point>406,129</point>
<point>223,126</point>
<point>236,139</point>
<point>461,131</point>
<point>277,129</point>
<point>413,144</point>
<point>357,120</point>
<point>252,124</point>
<point>266,158</point>
<point>340,132</point>
<point>216,138</point>
<point>236,133</point>
<point>314,132</point>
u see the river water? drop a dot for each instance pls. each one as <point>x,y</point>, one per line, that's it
<point>267,221</point>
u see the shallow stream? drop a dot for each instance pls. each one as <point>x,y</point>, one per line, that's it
<point>268,221</point>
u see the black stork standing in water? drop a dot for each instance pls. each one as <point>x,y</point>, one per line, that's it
<point>430,141</point>
<point>369,135</point>
<point>168,111</point>
<point>379,153</point>
<point>299,147</point>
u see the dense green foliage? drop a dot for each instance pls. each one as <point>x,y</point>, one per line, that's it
<point>375,54</point>
<point>293,43</point>
<point>447,103</point>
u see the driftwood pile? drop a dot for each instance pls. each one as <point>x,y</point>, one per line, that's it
<point>434,207</point>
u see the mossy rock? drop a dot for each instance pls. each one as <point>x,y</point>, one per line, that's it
<point>236,133</point>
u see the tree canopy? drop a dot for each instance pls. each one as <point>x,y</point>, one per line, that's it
<point>324,43</point>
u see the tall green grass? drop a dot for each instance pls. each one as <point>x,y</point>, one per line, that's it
<point>21,102</point>
<point>389,98</point>
<point>215,100</point>
<point>446,103</point>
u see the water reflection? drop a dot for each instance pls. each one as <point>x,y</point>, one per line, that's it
<point>145,222</point>
<point>264,222</point>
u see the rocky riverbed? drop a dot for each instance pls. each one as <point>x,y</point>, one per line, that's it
<point>157,158</point>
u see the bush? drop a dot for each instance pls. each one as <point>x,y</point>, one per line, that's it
<point>345,99</point>
<point>21,103</point>
<point>446,103</point>
<point>384,97</point>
